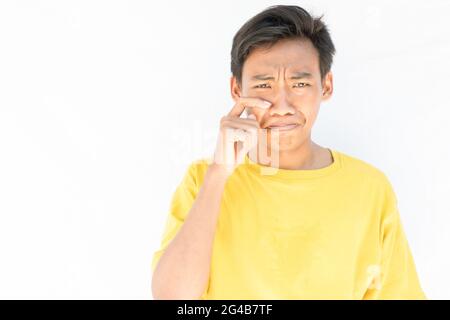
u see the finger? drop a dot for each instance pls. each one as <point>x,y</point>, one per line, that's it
<point>251,121</point>
<point>229,145</point>
<point>240,151</point>
<point>242,103</point>
<point>245,147</point>
<point>239,135</point>
<point>238,123</point>
<point>219,154</point>
<point>240,139</point>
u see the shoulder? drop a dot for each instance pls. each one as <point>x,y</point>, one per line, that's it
<point>197,169</point>
<point>364,171</point>
<point>373,182</point>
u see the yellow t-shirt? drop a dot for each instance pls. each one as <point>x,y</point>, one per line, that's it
<point>328,233</point>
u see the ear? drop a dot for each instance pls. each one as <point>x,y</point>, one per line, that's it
<point>235,89</point>
<point>327,86</point>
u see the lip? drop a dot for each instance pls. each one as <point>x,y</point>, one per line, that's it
<point>287,127</point>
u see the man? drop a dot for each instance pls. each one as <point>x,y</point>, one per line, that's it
<point>274,215</point>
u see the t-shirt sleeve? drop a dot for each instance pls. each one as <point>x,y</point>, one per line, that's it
<point>180,205</point>
<point>398,278</point>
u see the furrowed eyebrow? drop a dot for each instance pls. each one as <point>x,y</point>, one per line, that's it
<point>301,75</point>
<point>262,77</point>
<point>295,76</point>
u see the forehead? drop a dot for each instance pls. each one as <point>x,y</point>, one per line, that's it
<point>293,55</point>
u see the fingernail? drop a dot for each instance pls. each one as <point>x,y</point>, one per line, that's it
<point>267,103</point>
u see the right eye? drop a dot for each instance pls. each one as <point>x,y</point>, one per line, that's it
<point>260,86</point>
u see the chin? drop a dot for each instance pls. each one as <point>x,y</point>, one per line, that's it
<point>283,147</point>
<point>287,143</point>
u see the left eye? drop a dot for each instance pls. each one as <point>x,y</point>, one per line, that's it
<point>301,83</point>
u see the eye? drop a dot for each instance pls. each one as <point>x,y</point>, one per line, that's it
<point>259,86</point>
<point>304,84</point>
<point>264,84</point>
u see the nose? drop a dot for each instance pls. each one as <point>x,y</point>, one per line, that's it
<point>281,107</point>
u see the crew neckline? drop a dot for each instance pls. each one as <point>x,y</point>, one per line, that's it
<point>283,174</point>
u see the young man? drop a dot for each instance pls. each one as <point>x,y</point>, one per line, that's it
<point>274,215</point>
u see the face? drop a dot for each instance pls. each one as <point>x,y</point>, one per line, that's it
<point>287,75</point>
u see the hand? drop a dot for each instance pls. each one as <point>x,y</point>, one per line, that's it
<point>237,136</point>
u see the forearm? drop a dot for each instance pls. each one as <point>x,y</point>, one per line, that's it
<point>183,269</point>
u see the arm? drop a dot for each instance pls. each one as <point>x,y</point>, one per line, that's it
<point>183,270</point>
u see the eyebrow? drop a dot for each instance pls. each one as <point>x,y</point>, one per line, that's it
<point>295,76</point>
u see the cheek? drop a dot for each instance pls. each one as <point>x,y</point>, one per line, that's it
<point>311,115</point>
<point>309,103</point>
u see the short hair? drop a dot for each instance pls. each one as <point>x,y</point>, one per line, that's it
<point>281,22</point>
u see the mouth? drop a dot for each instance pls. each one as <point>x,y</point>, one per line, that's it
<point>287,127</point>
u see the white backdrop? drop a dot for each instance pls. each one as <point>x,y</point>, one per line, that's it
<point>103,104</point>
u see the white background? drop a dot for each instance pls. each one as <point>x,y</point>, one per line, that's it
<point>103,104</point>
